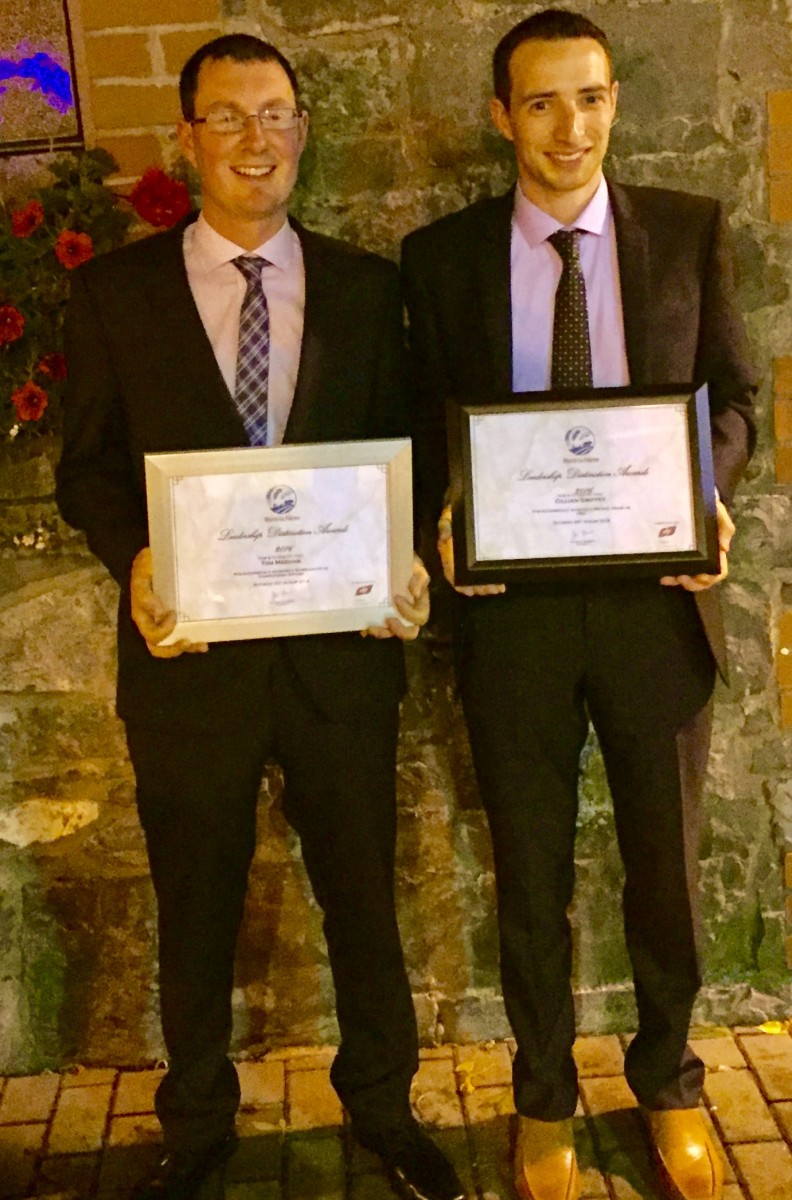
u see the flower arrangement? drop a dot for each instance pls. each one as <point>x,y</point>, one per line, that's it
<point>159,199</point>
<point>41,242</point>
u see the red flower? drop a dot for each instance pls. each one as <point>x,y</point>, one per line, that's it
<point>53,365</point>
<point>160,200</point>
<point>73,248</point>
<point>25,221</point>
<point>29,401</point>
<point>12,324</point>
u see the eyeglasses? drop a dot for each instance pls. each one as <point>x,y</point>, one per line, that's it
<point>226,120</point>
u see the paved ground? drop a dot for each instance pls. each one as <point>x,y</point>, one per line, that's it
<point>89,1134</point>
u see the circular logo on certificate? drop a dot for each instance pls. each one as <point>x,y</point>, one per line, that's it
<point>579,440</point>
<point>281,499</point>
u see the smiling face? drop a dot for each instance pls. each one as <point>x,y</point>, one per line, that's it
<point>561,109</point>
<point>247,178</point>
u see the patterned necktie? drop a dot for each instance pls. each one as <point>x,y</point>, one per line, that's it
<point>252,370</point>
<point>571,347</point>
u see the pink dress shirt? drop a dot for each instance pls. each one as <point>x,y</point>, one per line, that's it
<point>535,272</point>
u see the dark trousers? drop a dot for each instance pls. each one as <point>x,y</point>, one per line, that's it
<point>197,800</point>
<point>533,668</point>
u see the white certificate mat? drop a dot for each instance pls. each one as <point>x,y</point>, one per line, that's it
<point>610,480</point>
<point>277,541</point>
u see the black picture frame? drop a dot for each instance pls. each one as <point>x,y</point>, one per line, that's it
<point>471,568</point>
<point>53,133</point>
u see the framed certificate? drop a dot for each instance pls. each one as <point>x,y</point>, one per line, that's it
<point>270,542</point>
<point>616,484</point>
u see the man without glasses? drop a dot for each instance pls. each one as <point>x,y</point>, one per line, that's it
<point>238,328</point>
<point>572,280</point>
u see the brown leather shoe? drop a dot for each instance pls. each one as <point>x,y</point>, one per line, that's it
<point>545,1165</point>
<point>688,1165</point>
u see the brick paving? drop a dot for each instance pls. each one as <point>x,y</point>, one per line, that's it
<point>90,1134</point>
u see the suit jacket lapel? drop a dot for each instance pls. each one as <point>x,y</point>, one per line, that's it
<point>318,342</point>
<point>182,337</point>
<point>632,245</point>
<point>493,251</point>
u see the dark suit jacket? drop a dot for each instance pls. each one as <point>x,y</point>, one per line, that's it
<point>143,378</point>
<point>681,322</point>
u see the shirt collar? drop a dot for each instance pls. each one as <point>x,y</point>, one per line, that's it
<point>536,226</point>
<point>214,250</point>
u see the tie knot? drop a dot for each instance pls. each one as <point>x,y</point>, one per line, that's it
<point>567,243</point>
<point>250,265</point>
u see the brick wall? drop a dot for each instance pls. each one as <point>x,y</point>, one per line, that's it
<point>788,884</point>
<point>780,155</point>
<point>782,402</point>
<point>134,50</point>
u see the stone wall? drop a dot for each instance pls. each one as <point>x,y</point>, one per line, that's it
<point>397,92</point>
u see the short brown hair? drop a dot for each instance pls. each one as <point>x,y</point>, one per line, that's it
<point>550,25</point>
<point>240,47</point>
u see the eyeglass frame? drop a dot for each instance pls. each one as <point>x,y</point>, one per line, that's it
<point>297,113</point>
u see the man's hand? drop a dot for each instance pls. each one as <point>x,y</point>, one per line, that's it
<point>151,616</point>
<point>415,609</point>
<point>445,547</point>
<point>700,583</point>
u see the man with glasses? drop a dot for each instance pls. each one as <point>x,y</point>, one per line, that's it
<point>238,328</point>
<point>569,281</point>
